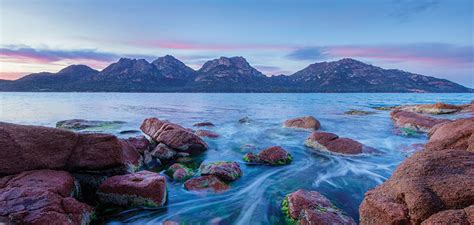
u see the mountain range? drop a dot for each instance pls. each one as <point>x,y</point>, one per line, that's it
<point>234,74</point>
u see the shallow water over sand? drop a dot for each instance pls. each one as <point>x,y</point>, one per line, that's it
<point>256,197</point>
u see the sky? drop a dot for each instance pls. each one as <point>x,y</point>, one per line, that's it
<point>429,37</point>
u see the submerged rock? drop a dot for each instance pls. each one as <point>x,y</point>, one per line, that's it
<point>330,142</point>
<point>385,108</point>
<point>458,134</point>
<point>203,124</point>
<point>424,185</point>
<point>274,155</point>
<point>227,171</point>
<point>34,147</point>
<point>41,197</point>
<point>307,122</point>
<point>310,207</point>
<point>437,108</point>
<point>206,183</point>
<point>245,120</point>
<point>206,133</point>
<point>358,112</point>
<point>414,121</point>
<point>143,188</point>
<point>80,124</point>
<point>173,136</point>
<point>179,172</point>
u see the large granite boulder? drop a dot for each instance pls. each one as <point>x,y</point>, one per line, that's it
<point>34,147</point>
<point>41,197</point>
<point>227,171</point>
<point>414,121</point>
<point>307,122</point>
<point>458,134</point>
<point>274,155</point>
<point>437,108</point>
<point>310,207</point>
<point>454,216</point>
<point>206,183</point>
<point>143,188</point>
<point>173,136</point>
<point>425,187</point>
<point>325,141</point>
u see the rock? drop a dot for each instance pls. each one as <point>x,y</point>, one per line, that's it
<point>170,222</point>
<point>325,141</point>
<point>437,108</point>
<point>143,188</point>
<point>458,134</point>
<point>385,108</point>
<point>310,207</point>
<point>227,171</point>
<point>80,124</point>
<point>414,121</point>
<point>41,197</point>
<point>129,132</point>
<point>206,183</point>
<point>204,124</point>
<point>206,133</point>
<point>163,152</point>
<point>358,112</point>
<point>307,122</point>
<point>141,143</point>
<point>454,216</point>
<point>245,120</point>
<point>35,147</point>
<point>274,155</point>
<point>173,135</point>
<point>179,171</point>
<point>150,161</point>
<point>427,183</point>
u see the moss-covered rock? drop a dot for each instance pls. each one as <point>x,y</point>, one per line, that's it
<point>179,172</point>
<point>227,171</point>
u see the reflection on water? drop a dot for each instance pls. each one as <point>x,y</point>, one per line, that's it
<point>256,197</point>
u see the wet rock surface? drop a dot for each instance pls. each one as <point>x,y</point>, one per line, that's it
<point>42,197</point>
<point>414,121</point>
<point>206,183</point>
<point>173,136</point>
<point>203,124</point>
<point>227,171</point>
<point>307,122</point>
<point>179,172</point>
<point>310,207</point>
<point>359,112</point>
<point>80,124</point>
<point>206,133</point>
<point>35,147</point>
<point>143,188</point>
<point>274,155</point>
<point>437,108</point>
<point>325,141</point>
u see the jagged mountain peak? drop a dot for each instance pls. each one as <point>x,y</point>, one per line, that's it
<point>172,67</point>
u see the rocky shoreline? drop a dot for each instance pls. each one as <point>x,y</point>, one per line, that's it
<point>59,176</point>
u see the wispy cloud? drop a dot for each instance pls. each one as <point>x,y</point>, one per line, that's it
<point>310,53</point>
<point>272,70</point>
<point>33,55</point>
<point>425,53</point>
<point>407,10</point>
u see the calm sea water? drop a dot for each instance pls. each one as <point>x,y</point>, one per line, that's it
<point>256,197</point>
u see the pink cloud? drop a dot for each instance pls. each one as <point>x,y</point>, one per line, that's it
<point>183,45</point>
<point>12,75</point>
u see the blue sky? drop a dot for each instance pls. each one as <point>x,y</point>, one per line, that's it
<point>431,37</point>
